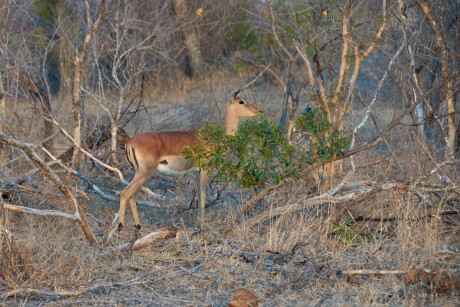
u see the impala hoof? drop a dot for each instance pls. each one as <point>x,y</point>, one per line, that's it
<point>138,231</point>
<point>120,227</point>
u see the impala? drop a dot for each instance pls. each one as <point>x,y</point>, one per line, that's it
<point>150,152</point>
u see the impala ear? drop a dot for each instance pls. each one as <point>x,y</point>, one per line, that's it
<point>236,94</point>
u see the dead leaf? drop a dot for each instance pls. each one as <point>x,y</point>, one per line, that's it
<point>416,275</point>
<point>244,298</point>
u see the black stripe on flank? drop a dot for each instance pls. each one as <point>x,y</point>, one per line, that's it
<point>135,158</point>
<point>131,156</point>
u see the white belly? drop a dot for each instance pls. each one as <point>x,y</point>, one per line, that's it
<point>175,166</point>
<point>166,170</point>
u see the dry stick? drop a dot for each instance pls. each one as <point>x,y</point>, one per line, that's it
<point>61,293</point>
<point>55,213</point>
<point>314,201</point>
<point>28,150</point>
<point>435,169</point>
<point>343,61</point>
<point>395,157</point>
<point>66,293</point>
<point>161,234</point>
<point>379,34</point>
<point>414,219</point>
<point>373,272</point>
<point>254,80</point>
<point>2,215</point>
<point>389,272</point>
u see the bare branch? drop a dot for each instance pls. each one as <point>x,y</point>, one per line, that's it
<point>54,213</point>
<point>275,33</point>
<point>28,150</point>
<point>377,91</point>
<point>343,60</point>
<point>379,33</point>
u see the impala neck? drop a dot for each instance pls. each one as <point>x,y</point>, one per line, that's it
<point>231,121</point>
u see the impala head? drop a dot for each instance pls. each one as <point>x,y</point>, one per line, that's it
<point>241,108</point>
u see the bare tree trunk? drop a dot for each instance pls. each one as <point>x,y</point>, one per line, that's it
<point>289,107</point>
<point>416,90</point>
<point>79,64</point>
<point>77,105</point>
<point>65,69</point>
<point>64,49</point>
<point>290,103</point>
<point>457,141</point>
<point>450,137</point>
<point>190,38</point>
<point>2,120</point>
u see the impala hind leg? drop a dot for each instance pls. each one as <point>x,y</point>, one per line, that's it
<point>128,195</point>
<point>137,221</point>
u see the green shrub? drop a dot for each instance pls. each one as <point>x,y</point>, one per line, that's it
<point>259,154</point>
<point>327,141</point>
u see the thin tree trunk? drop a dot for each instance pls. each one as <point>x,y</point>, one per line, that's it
<point>78,65</point>
<point>190,38</point>
<point>288,109</point>
<point>2,120</point>
<point>450,137</point>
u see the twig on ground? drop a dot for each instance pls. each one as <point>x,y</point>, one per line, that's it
<point>160,234</point>
<point>394,218</point>
<point>372,272</point>
<point>138,280</point>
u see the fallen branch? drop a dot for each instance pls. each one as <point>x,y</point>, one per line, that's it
<point>314,201</point>
<point>61,293</point>
<point>67,293</point>
<point>55,213</point>
<point>372,272</point>
<point>28,149</point>
<point>161,234</point>
<point>356,196</point>
<point>414,219</point>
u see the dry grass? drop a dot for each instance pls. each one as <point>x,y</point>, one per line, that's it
<point>295,259</point>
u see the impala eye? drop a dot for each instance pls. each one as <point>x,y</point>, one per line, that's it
<point>241,102</point>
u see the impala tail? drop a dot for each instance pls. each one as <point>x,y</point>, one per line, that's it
<point>131,156</point>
